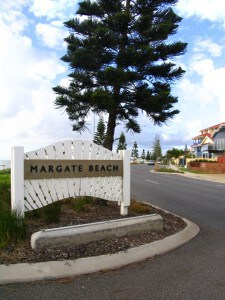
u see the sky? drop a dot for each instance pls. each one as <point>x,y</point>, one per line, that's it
<point>32,42</point>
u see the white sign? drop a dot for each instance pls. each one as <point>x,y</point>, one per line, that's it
<point>69,169</point>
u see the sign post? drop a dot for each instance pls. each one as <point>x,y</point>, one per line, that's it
<point>17,180</point>
<point>126,181</point>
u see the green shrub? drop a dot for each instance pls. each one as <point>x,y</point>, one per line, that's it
<point>12,227</point>
<point>203,160</point>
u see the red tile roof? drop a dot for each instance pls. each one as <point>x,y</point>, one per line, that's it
<point>214,126</point>
<point>201,136</point>
<point>208,134</point>
<point>218,129</point>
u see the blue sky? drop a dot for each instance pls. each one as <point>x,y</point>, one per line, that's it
<point>32,43</point>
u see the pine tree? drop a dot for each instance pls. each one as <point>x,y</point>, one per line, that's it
<point>122,142</point>
<point>99,136</point>
<point>148,155</point>
<point>157,150</point>
<point>121,62</point>
<point>135,151</point>
<point>143,156</point>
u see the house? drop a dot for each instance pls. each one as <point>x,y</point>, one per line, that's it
<point>210,143</point>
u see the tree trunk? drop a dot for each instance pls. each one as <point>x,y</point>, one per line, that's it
<point>109,139</point>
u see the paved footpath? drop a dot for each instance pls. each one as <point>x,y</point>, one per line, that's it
<point>220,178</point>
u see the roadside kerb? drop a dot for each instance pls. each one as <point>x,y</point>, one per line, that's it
<point>59,269</point>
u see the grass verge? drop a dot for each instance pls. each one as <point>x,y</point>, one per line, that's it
<point>169,170</point>
<point>12,227</point>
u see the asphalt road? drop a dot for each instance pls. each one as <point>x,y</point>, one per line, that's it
<point>193,271</point>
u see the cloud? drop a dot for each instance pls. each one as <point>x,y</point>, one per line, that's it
<point>33,32</point>
<point>12,4</point>
<point>53,9</point>
<point>208,46</point>
<point>201,101</point>
<point>12,15</point>
<point>204,9</point>
<point>51,34</point>
<point>201,66</point>
<point>27,112</point>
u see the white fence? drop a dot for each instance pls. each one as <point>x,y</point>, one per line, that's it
<point>67,169</point>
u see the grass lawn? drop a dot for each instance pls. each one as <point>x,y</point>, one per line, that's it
<point>4,180</point>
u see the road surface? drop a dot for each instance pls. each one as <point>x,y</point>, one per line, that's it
<point>193,271</point>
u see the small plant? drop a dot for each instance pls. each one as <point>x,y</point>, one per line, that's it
<point>79,203</point>
<point>33,214</point>
<point>51,212</point>
<point>156,167</point>
<point>139,207</point>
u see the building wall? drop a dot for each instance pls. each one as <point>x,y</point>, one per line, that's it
<point>204,167</point>
<point>219,140</point>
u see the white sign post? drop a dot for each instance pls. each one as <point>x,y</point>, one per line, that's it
<point>17,180</point>
<point>69,169</point>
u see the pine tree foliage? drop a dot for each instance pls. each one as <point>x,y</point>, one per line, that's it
<point>143,155</point>
<point>134,151</point>
<point>121,63</point>
<point>157,150</point>
<point>122,142</point>
<point>100,133</point>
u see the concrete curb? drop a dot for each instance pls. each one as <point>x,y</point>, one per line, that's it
<point>84,233</point>
<point>59,269</point>
<point>218,178</point>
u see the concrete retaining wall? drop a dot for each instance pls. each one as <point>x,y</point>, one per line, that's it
<point>81,234</point>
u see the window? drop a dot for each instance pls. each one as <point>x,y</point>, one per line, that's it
<point>220,144</point>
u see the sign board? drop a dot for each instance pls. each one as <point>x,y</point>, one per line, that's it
<point>67,169</point>
<point>45,169</point>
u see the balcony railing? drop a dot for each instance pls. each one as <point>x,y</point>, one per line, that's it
<point>214,148</point>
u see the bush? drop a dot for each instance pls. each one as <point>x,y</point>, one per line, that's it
<point>203,160</point>
<point>139,207</point>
